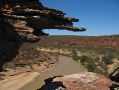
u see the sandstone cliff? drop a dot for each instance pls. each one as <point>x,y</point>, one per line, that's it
<point>24,20</point>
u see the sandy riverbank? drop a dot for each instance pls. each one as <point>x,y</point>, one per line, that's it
<point>55,50</point>
<point>17,81</point>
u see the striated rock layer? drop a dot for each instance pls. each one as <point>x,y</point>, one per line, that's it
<point>30,17</point>
<point>24,20</point>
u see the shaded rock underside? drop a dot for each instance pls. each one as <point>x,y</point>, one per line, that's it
<point>24,20</point>
<point>29,18</point>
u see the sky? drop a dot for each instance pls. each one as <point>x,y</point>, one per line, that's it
<point>99,17</point>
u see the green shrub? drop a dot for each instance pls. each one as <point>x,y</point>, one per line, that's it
<point>97,58</point>
<point>91,66</point>
<point>86,59</point>
<point>75,56</point>
<point>83,59</point>
<point>108,59</point>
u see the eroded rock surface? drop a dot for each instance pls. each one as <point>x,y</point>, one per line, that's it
<point>84,81</point>
<point>24,20</point>
<point>31,17</point>
<point>10,42</point>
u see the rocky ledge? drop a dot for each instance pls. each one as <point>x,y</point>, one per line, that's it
<point>83,81</point>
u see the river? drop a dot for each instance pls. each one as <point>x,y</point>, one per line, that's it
<point>65,66</point>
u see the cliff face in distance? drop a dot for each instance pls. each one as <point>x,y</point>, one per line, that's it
<point>111,41</point>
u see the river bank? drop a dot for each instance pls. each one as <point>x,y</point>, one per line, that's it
<point>35,80</point>
<point>15,79</point>
<point>19,81</point>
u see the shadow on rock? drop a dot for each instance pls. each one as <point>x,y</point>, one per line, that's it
<point>9,43</point>
<point>50,85</point>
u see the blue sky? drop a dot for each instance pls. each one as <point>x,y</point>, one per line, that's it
<point>99,17</point>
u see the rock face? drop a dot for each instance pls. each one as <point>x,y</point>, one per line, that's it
<point>114,75</point>
<point>9,43</point>
<point>30,17</point>
<point>84,81</point>
<point>24,20</point>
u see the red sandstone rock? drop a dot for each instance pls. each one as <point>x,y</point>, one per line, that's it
<point>85,81</point>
